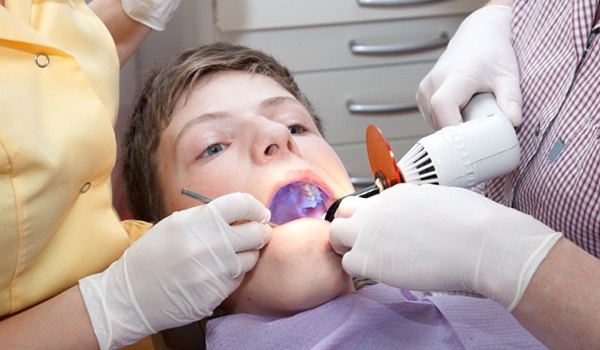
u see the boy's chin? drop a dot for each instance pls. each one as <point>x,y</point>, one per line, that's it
<point>296,271</point>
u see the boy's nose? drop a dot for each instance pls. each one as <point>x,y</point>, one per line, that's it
<point>272,141</point>
<point>272,150</point>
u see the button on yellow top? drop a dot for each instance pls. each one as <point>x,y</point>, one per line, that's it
<point>42,60</point>
<point>86,186</point>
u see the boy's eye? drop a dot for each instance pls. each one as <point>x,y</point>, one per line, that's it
<point>296,129</point>
<point>212,150</point>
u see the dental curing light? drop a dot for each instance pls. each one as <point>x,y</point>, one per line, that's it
<point>485,146</point>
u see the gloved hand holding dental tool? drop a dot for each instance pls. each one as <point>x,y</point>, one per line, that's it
<point>178,272</point>
<point>436,238</point>
<point>440,238</point>
<point>381,238</point>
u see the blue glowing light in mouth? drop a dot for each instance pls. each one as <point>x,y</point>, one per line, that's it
<point>298,200</point>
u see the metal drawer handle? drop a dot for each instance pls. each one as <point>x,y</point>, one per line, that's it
<point>358,49</point>
<point>362,181</point>
<point>393,2</point>
<point>365,108</point>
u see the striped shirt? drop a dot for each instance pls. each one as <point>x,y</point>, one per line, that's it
<point>558,181</point>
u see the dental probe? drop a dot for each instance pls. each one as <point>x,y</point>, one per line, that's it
<point>195,195</point>
<point>206,200</point>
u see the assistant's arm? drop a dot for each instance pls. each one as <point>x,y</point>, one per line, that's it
<point>127,33</point>
<point>58,323</point>
<point>561,306</point>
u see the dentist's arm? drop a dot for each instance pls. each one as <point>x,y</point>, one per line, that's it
<point>479,58</point>
<point>561,306</point>
<point>436,238</point>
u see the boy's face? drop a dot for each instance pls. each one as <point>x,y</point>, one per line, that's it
<point>241,132</point>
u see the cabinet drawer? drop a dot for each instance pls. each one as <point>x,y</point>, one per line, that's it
<point>241,15</point>
<point>330,93</point>
<point>320,48</point>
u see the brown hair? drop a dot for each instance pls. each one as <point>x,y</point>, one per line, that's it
<point>161,90</point>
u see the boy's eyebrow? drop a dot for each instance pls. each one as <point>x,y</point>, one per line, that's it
<point>279,100</point>
<point>199,119</point>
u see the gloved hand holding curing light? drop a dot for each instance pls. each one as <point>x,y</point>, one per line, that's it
<point>178,272</point>
<point>436,238</point>
<point>152,13</point>
<point>479,58</point>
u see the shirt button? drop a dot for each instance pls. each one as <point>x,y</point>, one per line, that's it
<point>42,60</point>
<point>86,186</point>
<point>538,128</point>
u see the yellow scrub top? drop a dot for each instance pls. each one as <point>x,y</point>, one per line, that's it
<point>58,103</point>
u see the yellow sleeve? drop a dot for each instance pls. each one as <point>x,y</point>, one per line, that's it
<point>135,229</point>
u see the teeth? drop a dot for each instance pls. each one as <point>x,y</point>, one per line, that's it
<point>312,195</point>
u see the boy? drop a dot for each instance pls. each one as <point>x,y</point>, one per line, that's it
<point>224,118</point>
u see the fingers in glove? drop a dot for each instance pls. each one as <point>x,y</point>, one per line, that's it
<point>236,207</point>
<point>440,105</point>
<point>356,265</point>
<point>450,98</point>
<point>237,262</point>
<point>247,260</point>
<point>342,235</point>
<point>509,98</point>
<point>249,236</point>
<point>348,206</point>
<point>422,98</point>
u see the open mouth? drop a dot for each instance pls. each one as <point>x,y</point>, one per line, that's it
<point>298,200</point>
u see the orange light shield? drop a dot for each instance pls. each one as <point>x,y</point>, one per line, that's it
<point>381,157</point>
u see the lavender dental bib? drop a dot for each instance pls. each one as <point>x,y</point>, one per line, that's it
<point>378,317</point>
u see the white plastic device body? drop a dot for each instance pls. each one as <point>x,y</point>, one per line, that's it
<point>485,146</point>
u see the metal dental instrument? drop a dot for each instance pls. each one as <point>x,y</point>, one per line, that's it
<point>195,195</point>
<point>206,200</point>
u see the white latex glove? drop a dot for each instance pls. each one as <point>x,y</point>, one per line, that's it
<point>178,272</point>
<point>479,58</point>
<point>435,238</point>
<point>152,13</point>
